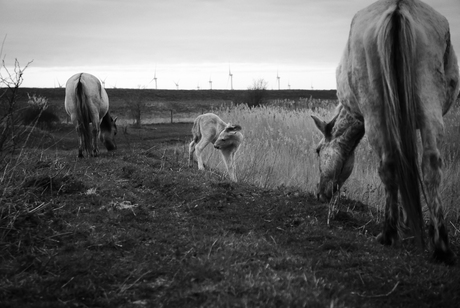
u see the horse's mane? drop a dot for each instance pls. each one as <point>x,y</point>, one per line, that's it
<point>347,129</point>
<point>106,123</point>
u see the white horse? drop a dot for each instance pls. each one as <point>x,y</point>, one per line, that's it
<point>86,102</point>
<point>398,73</point>
<point>209,128</point>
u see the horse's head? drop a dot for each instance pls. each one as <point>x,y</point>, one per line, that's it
<point>229,137</point>
<point>336,151</point>
<point>108,132</point>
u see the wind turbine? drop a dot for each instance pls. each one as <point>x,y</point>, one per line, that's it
<point>231,78</point>
<point>177,84</point>
<point>289,85</point>
<point>154,78</point>
<point>103,81</point>
<point>59,84</point>
<point>278,77</point>
<point>210,83</point>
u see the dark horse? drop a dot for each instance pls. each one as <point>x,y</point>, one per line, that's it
<point>86,102</point>
<point>398,73</point>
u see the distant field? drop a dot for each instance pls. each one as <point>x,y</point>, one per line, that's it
<point>185,104</point>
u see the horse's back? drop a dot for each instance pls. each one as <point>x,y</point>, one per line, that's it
<point>91,88</point>
<point>360,64</point>
<point>208,125</point>
<point>430,26</point>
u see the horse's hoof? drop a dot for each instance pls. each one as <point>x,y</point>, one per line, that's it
<point>447,257</point>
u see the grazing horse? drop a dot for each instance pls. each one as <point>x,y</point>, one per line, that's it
<point>398,73</point>
<point>86,102</point>
<point>209,128</point>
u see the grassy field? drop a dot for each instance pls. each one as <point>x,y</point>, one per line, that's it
<point>138,228</point>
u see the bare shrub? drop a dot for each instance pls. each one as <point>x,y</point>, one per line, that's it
<point>12,134</point>
<point>136,107</point>
<point>257,94</point>
<point>40,112</point>
<point>11,128</point>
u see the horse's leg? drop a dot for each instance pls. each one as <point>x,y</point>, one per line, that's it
<point>227,158</point>
<point>191,150</point>
<point>432,132</point>
<point>232,162</point>
<point>199,150</point>
<point>79,134</point>
<point>80,141</point>
<point>375,131</point>
<point>232,165</point>
<point>387,174</point>
<point>95,131</point>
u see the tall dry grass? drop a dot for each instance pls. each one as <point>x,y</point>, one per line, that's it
<point>279,149</point>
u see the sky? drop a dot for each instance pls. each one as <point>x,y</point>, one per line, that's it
<point>185,44</point>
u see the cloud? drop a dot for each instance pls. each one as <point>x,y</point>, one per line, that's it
<point>292,34</point>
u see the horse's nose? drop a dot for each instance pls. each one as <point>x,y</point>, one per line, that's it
<point>321,196</point>
<point>111,146</point>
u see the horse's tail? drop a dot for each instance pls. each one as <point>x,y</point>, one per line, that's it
<point>397,49</point>
<point>83,116</point>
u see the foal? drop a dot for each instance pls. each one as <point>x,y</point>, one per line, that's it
<point>209,128</point>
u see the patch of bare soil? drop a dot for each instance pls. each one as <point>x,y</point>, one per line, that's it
<point>138,228</point>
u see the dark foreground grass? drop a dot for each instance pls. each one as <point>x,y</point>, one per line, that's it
<point>138,228</point>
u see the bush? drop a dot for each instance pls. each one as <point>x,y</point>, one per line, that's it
<point>38,111</point>
<point>136,107</point>
<point>257,94</point>
<point>10,119</point>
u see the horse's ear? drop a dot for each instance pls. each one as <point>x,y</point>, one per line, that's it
<point>330,125</point>
<point>236,128</point>
<point>334,119</point>
<point>320,124</point>
<point>232,128</point>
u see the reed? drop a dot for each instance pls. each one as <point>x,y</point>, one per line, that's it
<point>279,150</point>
